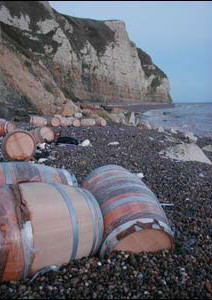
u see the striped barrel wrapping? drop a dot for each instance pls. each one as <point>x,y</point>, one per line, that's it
<point>16,172</point>
<point>123,197</point>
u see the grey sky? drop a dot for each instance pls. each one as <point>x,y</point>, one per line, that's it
<point>176,34</point>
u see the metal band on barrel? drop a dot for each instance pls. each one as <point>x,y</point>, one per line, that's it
<point>73,219</point>
<point>71,179</point>
<point>111,240</point>
<point>126,200</point>
<point>91,208</point>
<point>27,242</point>
<point>100,219</point>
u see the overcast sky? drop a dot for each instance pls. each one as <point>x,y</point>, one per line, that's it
<point>176,34</point>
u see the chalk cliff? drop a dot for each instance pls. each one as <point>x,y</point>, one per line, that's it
<point>48,61</point>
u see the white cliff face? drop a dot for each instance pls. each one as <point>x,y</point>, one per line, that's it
<point>21,22</point>
<point>85,63</point>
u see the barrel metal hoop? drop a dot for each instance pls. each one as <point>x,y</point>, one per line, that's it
<point>73,219</point>
<point>126,200</point>
<point>100,219</point>
<point>111,240</point>
<point>92,210</point>
<point>27,242</point>
<point>71,178</point>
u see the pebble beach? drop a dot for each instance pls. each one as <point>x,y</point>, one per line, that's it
<point>185,272</point>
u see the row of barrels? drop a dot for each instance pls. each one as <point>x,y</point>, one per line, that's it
<point>54,121</point>
<point>21,144</point>
<point>59,120</point>
<point>54,221</point>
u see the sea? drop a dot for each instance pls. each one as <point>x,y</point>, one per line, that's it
<point>194,117</point>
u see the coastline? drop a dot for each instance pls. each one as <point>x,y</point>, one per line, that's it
<point>183,273</point>
<point>141,108</point>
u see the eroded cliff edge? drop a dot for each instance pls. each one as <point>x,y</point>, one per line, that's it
<point>48,61</point>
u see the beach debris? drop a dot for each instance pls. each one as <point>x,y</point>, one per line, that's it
<point>207,148</point>
<point>41,146</point>
<point>118,118</point>
<point>140,175</point>
<point>45,270</point>
<point>42,160</point>
<point>113,144</point>
<point>78,115</point>
<point>86,143</point>
<point>189,136</point>
<point>66,140</point>
<point>151,138</point>
<point>186,152</point>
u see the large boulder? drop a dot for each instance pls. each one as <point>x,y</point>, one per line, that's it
<point>186,152</point>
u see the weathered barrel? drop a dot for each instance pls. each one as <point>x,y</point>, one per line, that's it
<point>38,121</point>
<point>18,145</point>
<point>53,121</point>
<point>133,217</point>
<point>17,172</point>
<point>101,122</point>
<point>6,127</point>
<point>43,134</point>
<point>87,122</point>
<point>46,224</point>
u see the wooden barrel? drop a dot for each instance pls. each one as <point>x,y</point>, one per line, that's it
<point>101,122</point>
<point>6,127</point>
<point>53,121</point>
<point>17,172</point>
<point>73,122</point>
<point>133,217</point>
<point>43,134</point>
<point>59,223</point>
<point>87,122</point>
<point>18,145</point>
<point>38,121</point>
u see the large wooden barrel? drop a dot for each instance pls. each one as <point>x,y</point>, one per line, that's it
<point>87,122</point>
<point>43,134</point>
<point>17,172</point>
<point>59,223</point>
<point>133,217</point>
<point>38,121</point>
<point>6,127</point>
<point>18,145</point>
<point>101,122</point>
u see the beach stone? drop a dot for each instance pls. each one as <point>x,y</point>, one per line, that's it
<point>207,148</point>
<point>190,137</point>
<point>186,152</point>
<point>161,129</point>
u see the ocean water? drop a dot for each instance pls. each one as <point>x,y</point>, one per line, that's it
<point>195,117</point>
